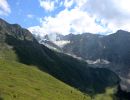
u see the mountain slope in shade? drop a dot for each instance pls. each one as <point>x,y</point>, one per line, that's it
<point>114,48</point>
<point>106,51</point>
<point>19,45</point>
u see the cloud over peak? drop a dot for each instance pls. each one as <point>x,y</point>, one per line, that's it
<point>100,16</point>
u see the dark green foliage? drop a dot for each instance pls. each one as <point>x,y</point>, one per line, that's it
<point>1,98</point>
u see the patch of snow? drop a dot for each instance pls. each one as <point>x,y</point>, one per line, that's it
<point>51,47</point>
<point>98,61</point>
<point>61,43</point>
<point>74,56</point>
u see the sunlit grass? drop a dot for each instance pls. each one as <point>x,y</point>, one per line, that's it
<point>21,82</point>
<point>108,95</point>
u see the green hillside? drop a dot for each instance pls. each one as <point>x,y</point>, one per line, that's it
<point>21,82</point>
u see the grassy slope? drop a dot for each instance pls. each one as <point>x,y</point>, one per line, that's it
<point>21,82</point>
<point>6,52</point>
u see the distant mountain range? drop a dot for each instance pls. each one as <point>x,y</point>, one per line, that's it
<point>107,51</point>
<point>113,47</point>
<point>19,45</point>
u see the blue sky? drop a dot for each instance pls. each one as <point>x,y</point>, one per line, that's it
<point>20,11</point>
<point>66,16</point>
<point>28,12</point>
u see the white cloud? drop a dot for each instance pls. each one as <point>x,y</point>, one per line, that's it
<point>30,16</point>
<point>68,21</point>
<point>61,3</point>
<point>114,12</point>
<point>113,15</point>
<point>4,7</point>
<point>48,5</point>
<point>68,3</point>
<point>108,9</point>
<point>37,30</point>
<point>80,3</point>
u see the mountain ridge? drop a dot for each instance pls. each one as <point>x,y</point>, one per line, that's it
<point>74,72</point>
<point>113,48</point>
